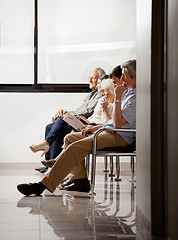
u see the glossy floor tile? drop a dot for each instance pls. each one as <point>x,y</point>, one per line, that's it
<point>65,215</point>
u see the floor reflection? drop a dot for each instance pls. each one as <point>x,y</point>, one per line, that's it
<point>108,215</point>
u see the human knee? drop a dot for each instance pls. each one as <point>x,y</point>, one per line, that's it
<point>67,140</point>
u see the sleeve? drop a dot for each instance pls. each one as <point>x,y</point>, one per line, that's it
<point>97,112</point>
<point>129,113</point>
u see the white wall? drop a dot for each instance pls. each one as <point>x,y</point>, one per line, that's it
<point>23,120</point>
<point>144,107</point>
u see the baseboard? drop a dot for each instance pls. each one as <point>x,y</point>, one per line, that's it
<point>19,165</point>
<point>124,166</point>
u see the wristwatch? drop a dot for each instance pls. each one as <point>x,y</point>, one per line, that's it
<point>117,101</point>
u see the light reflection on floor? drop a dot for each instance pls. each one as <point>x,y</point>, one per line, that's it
<point>67,215</point>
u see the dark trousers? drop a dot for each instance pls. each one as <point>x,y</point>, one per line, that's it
<point>54,135</point>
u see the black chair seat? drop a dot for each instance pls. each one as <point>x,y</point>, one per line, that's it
<point>129,149</point>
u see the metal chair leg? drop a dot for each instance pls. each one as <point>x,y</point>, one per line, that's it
<point>111,167</point>
<point>118,169</point>
<point>93,172</point>
<point>87,164</point>
<point>105,164</point>
<point>132,169</point>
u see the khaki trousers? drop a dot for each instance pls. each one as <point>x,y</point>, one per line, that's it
<point>71,159</point>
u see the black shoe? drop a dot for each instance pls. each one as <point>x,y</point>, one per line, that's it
<point>66,182</point>
<point>79,185</point>
<point>42,169</point>
<point>31,188</point>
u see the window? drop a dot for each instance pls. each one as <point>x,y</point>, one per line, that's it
<point>72,37</point>
<point>16,42</point>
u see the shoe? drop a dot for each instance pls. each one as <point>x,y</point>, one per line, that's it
<point>48,163</point>
<point>31,188</point>
<point>47,172</point>
<point>42,169</point>
<point>66,182</point>
<point>36,148</point>
<point>79,185</point>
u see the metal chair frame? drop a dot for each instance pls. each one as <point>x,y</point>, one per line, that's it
<point>111,152</point>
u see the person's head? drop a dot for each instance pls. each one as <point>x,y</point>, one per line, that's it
<point>108,86</point>
<point>96,74</point>
<point>100,80</point>
<point>129,74</point>
<point>116,75</point>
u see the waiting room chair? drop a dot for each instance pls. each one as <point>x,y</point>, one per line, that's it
<point>111,152</point>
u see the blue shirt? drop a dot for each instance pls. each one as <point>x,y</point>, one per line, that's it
<point>128,108</point>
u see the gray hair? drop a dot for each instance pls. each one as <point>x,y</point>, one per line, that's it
<point>130,67</point>
<point>100,71</point>
<point>108,84</point>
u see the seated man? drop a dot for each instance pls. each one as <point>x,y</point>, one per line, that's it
<point>56,132</point>
<point>77,145</point>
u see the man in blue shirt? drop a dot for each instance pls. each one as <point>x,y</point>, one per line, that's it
<point>78,145</point>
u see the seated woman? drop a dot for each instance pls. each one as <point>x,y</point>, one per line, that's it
<point>104,108</point>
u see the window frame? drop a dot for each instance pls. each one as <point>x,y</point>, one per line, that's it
<point>37,87</point>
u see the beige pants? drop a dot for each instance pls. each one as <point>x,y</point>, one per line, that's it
<point>71,159</point>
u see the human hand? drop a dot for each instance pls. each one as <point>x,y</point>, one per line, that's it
<point>89,129</point>
<point>119,91</point>
<point>105,104</point>
<point>60,113</point>
<point>84,118</point>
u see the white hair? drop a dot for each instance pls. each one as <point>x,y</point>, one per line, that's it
<point>107,84</point>
<point>101,72</point>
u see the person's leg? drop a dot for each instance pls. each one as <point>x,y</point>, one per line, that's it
<point>47,130</point>
<point>74,154</point>
<point>56,146</point>
<point>56,130</point>
<point>47,155</point>
<point>55,136</point>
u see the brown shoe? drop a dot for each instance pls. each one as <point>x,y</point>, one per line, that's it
<point>48,163</point>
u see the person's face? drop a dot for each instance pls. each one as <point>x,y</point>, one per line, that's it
<point>93,79</point>
<point>100,90</point>
<point>126,79</point>
<point>106,93</point>
<point>117,81</point>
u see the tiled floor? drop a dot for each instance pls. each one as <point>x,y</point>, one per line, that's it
<point>66,215</point>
